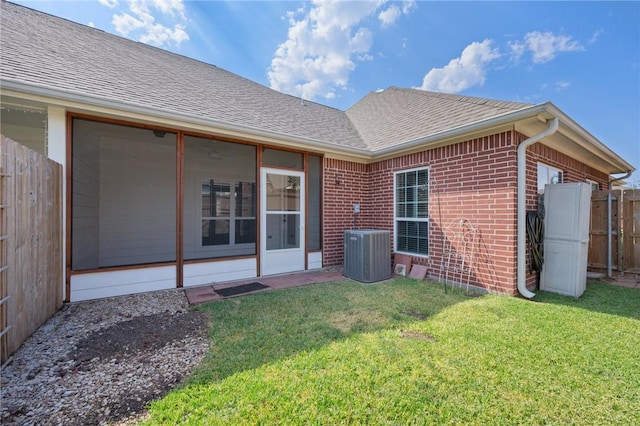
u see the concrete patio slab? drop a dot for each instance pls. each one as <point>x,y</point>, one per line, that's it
<point>208,293</point>
<point>197,295</point>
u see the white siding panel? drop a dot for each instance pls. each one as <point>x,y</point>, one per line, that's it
<point>118,283</point>
<point>57,151</point>
<point>314,260</point>
<point>227,270</point>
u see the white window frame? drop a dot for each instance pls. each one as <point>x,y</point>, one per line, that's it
<point>200,179</point>
<point>549,169</point>
<point>421,220</point>
<point>595,186</point>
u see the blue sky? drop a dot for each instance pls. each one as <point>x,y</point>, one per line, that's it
<point>582,56</point>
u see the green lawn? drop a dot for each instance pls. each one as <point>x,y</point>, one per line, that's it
<point>404,352</point>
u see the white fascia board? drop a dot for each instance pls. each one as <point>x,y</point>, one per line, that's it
<point>593,145</point>
<point>457,132</point>
<point>71,99</point>
<point>546,109</point>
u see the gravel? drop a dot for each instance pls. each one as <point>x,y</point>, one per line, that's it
<point>103,361</point>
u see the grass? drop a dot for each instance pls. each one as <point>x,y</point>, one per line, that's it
<point>404,352</point>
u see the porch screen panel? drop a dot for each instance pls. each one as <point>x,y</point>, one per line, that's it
<point>220,199</point>
<point>123,192</point>
<point>314,202</point>
<point>279,158</point>
<point>25,125</point>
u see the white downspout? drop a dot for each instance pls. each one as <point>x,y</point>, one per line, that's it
<point>521,212</point>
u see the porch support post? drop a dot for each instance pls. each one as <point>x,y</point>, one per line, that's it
<point>179,208</point>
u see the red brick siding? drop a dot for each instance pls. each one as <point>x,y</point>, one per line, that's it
<point>345,184</point>
<point>475,180</point>
<point>573,170</point>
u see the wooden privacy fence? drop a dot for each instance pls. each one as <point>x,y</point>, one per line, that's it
<point>31,277</point>
<point>625,230</point>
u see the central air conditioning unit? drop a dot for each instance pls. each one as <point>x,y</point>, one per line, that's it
<point>367,255</point>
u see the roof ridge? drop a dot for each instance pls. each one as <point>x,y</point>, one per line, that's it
<point>460,98</point>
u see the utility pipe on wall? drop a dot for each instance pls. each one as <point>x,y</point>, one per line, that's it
<point>522,198</point>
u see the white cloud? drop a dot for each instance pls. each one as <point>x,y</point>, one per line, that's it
<point>160,35</point>
<point>407,5</point>
<point>389,16</point>
<point>109,3</point>
<point>596,36</point>
<point>517,50</point>
<point>463,72</point>
<point>470,69</point>
<point>324,43</point>
<point>140,22</point>
<point>170,7</point>
<point>545,46</point>
<point>126,23</point>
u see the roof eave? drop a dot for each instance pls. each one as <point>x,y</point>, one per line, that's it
<point>586,140</point>
<point>457,132</point>
<point>69,98</point>
<point>541,113</point>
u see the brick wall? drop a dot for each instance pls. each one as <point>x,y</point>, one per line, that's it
<point>474,180</point>
<point>573,170</point>
<point>345,184</point>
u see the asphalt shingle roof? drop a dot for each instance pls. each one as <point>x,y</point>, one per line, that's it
<point>397,115</point>
<point>43,50</point>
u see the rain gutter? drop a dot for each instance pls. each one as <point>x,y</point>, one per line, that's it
<point>500,120</point>
<point>522,197</point>
<point>88,101</point>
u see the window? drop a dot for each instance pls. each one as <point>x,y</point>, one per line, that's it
<point>594,185</point>
<point>220,199</point>
<point>228,217</point>
<point>547,175</point>
<point>411,202</point>
<point>216,200</point>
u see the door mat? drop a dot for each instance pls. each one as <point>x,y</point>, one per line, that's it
<point>240,289</point>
